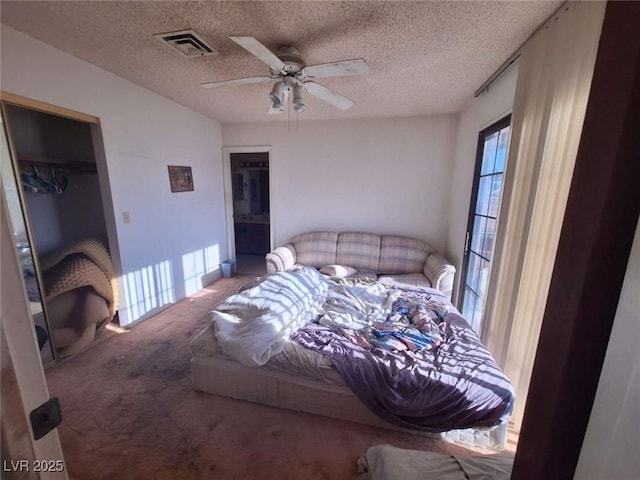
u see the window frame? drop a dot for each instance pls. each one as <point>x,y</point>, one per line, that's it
<point>466,256</point>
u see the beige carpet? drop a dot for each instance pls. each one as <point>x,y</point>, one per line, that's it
<point>130,413</point>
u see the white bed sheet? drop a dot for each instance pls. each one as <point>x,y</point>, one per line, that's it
<point>386,462</point>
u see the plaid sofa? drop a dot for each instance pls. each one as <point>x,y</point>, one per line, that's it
<point>386,258</point>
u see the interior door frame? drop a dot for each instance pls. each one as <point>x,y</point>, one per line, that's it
<point>488,130</point>
<point>228,193</point>
<point>8,98</point>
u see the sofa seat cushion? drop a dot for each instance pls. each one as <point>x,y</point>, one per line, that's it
<point>413,279</point>
<point>363,275</point>
<point>402,255</point>
<point>359,250</point>
<point>316,249</point>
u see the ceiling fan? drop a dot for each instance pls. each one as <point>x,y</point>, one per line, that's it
<point>290,73</point>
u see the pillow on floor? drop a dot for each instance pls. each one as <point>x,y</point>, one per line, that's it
<point>338,271</point>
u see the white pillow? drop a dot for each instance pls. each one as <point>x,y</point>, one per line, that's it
<point>338,271</point>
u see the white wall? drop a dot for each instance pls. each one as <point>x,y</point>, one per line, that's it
<point>489,107</point>
<point>173,240</point>
<point>612,442</point>
<point>381,175</point>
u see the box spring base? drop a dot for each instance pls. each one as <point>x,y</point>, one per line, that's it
<point>227,378</point>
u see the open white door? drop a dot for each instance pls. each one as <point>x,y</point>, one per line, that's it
<point>24,388</point>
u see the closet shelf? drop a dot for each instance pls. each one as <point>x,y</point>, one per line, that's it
<point>51,162</point>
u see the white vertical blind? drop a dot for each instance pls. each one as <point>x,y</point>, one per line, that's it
<point>556,68</point>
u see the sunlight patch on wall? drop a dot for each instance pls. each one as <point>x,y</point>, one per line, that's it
<point>148,289</point>
<point>164,277</point>
<point>212,257</point>
<point>197,265</point>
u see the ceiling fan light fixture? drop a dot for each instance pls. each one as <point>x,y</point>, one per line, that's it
<point>291,75</point>
<point>298,101</point>
<point>277,94</point>
<point>273,108</point>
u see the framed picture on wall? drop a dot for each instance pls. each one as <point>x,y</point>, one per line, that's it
<point>180,178</point>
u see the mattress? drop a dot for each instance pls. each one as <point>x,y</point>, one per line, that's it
<point>294,359</point>
<point>220,375</point>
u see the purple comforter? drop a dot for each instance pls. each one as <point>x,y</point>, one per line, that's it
<point>454,385</point>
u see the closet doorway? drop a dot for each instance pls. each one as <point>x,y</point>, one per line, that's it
<point>248,208</point>
<point>54,193</point>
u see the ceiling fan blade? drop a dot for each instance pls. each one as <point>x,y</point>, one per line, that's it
<point>345,68</point>
<point>237,81</point>
<point>329,96</point>
<point>254,47</point>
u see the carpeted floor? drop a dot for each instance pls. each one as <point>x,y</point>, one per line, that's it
<point>130,413</point>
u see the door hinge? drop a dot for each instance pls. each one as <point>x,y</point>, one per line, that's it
<point>467,243</point>
<point>46,417</point>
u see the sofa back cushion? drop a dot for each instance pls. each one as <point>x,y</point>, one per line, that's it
<point>402,255</point>
<point>359,250</point>
<point>315,249</point>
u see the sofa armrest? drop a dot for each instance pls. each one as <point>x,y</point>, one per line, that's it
<point>440,273</point>
<point>281,259</point>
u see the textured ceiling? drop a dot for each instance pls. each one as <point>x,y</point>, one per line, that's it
<point>425,57</point>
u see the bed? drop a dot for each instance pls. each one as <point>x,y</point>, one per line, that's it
<point>391,355</point>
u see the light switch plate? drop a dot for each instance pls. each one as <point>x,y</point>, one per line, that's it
<point>126,217</point>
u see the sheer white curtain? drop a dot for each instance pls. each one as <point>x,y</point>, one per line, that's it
<point>556,68</point>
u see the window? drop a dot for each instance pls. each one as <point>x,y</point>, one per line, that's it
<point>483,218</point>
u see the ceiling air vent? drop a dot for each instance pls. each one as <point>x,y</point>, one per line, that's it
<point>187,42</point>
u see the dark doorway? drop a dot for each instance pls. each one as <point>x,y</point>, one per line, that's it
<point>251,212</point>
